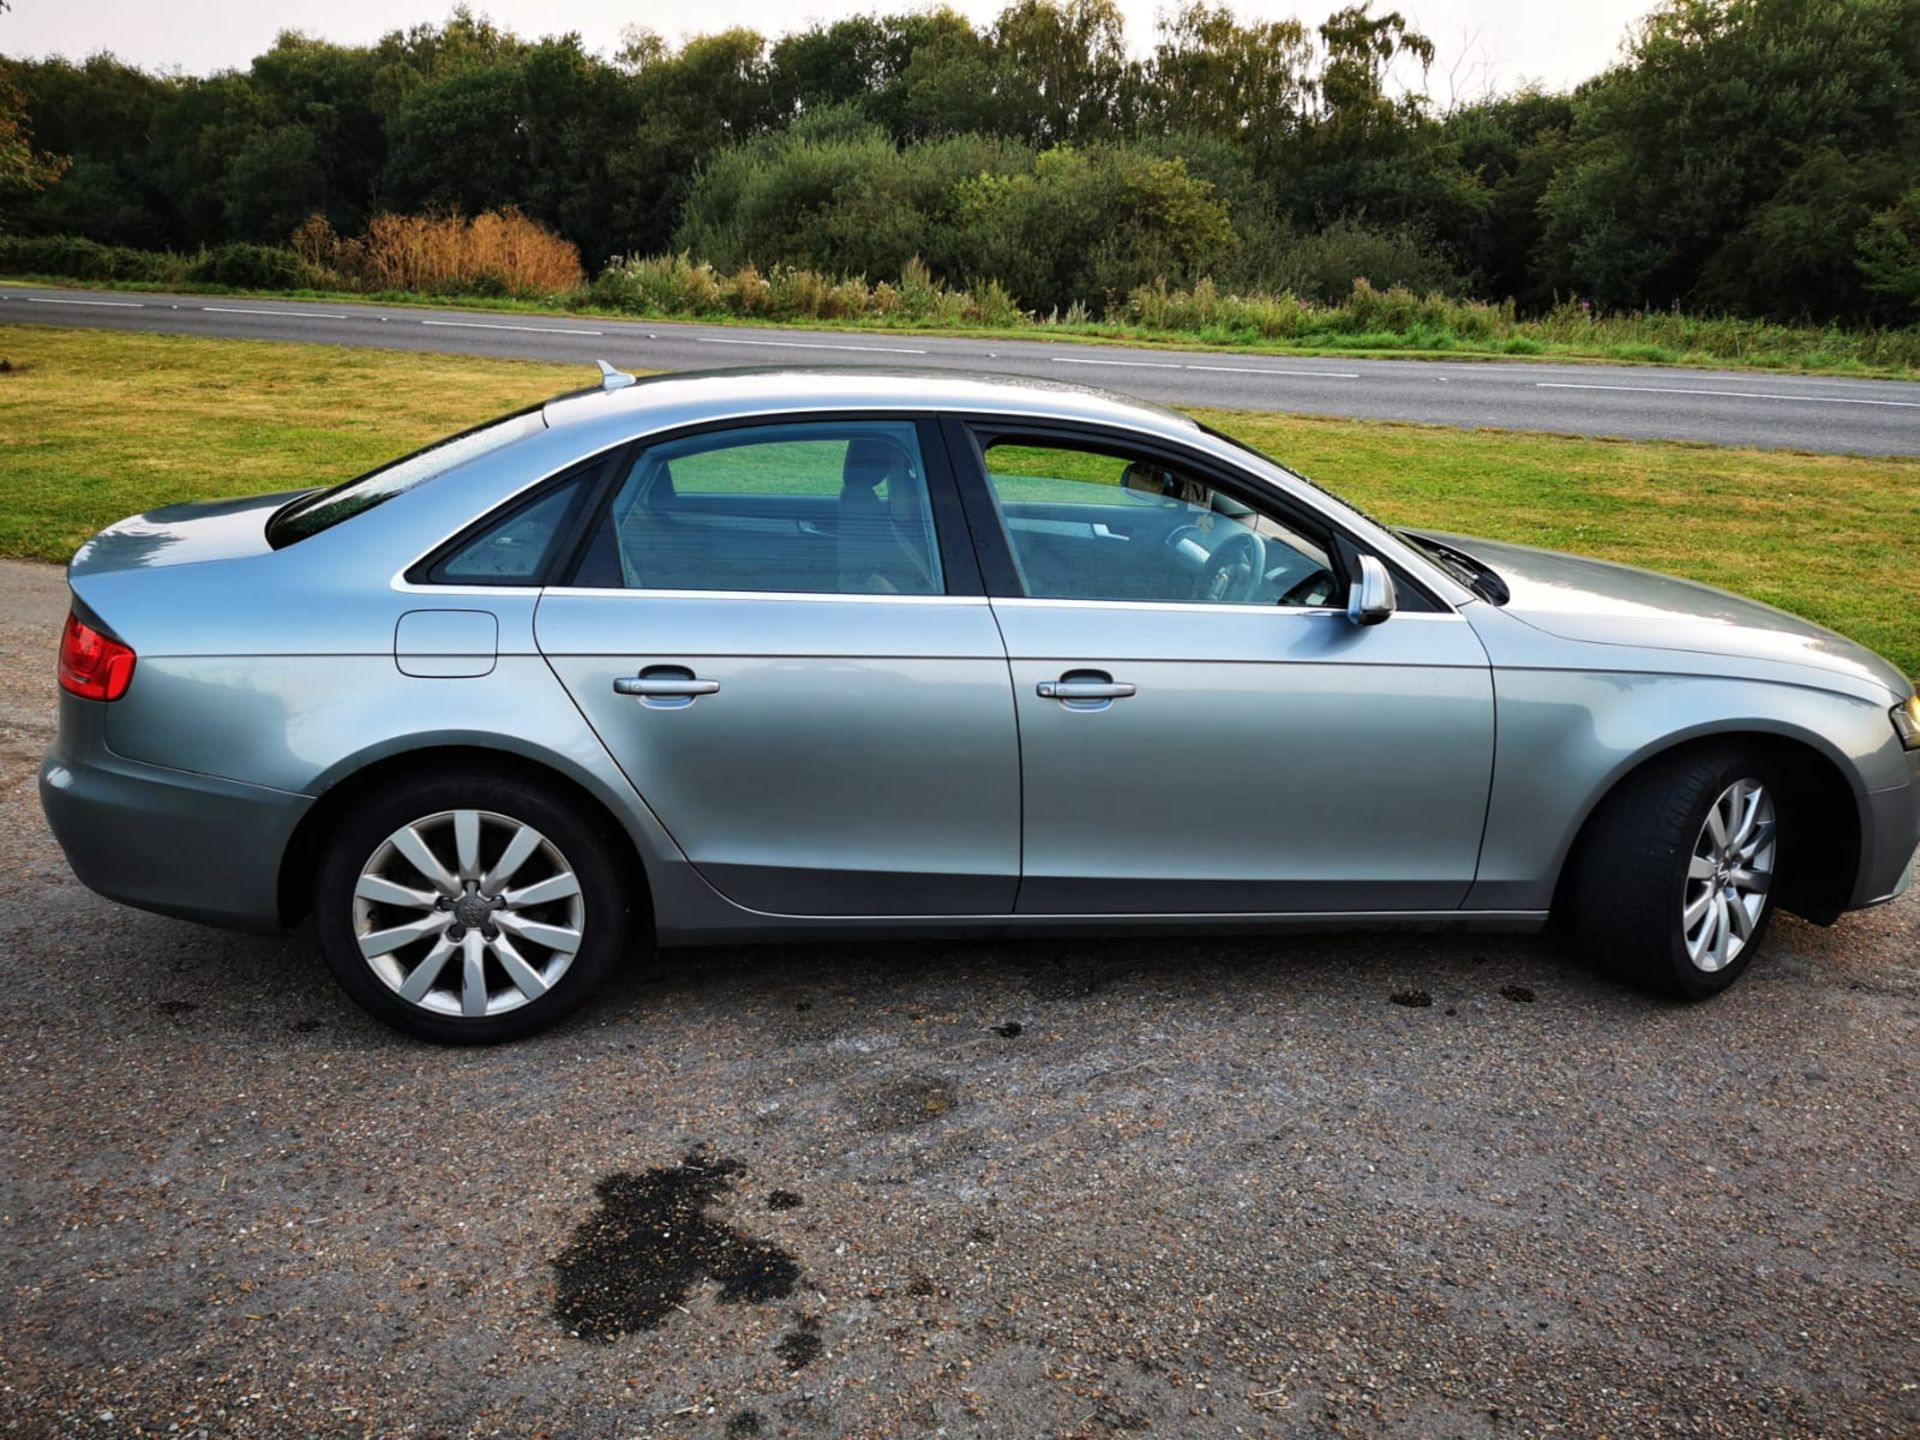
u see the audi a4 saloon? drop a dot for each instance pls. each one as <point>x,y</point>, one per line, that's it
<point>806,653</point>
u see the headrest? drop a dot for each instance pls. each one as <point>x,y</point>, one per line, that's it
<point>872,460</point>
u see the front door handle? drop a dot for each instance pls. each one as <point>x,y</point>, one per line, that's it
<point>1089,689</point>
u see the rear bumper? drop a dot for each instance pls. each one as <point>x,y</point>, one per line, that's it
<point>194,846</point>
<point>1887,846</point>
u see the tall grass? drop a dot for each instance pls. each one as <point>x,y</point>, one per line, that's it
<point>504,254</point>
<point>498,252</point>
<point>1395,318</point>
<point>677,285</point>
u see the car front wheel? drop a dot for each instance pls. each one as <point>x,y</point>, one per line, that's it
<point>468,909</point>
<point>1673,885</point>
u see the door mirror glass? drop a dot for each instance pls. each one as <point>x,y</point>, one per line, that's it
<point>1150,482</point>
<point>1371,598</point>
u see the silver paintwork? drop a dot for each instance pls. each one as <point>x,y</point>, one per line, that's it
<point>1729,875</point>
<point>886,764</point>
<point>449,931</point>
<point>1372,598</point>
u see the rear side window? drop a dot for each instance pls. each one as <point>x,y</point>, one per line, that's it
<point>824,507</point>
<point>517,547</point>
<point>322,511</point>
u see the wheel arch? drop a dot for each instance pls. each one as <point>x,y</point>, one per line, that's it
<point>350,781</point>
<point>1816,790</point>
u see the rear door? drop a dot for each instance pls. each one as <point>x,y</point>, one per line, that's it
<point>779,632</point>
<point>1202,728</point>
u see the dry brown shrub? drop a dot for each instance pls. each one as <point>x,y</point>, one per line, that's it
<point>498,250</point>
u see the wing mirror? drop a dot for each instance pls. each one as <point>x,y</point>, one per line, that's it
<point>1149,482</point>
<point>1371,598</point>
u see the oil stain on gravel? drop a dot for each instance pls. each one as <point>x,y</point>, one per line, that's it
<point>909,1100</point>
<point>801,1346</point>
<point>636,1259</point>
<point>1073,977</point>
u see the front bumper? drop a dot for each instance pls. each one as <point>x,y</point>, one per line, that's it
<point>1889,841</point>
<point>194,846</point>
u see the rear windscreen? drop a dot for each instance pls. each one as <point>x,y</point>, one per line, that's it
<point>324,509</point>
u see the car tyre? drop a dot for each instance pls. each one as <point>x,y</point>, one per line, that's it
<point>1674,881</point>
<point>483,880</point>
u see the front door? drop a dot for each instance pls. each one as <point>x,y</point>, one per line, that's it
<point>770,630</point>
<point>1202,728</point>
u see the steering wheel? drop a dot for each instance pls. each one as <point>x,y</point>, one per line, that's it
<point>1235,571</point>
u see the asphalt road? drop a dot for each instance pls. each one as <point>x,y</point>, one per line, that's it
<point>1869,417</point>
<point>1363,1186</point>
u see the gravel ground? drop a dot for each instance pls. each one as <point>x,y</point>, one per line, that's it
<point>1362,1186</point>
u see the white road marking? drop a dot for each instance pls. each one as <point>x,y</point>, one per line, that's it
<point>1728,394</point>
<point>1230,369</point>
<point>282,314</point>
<point>113,304</point>
<point>486,325</point>
<point>809,345</point>
<point>1266,370</point>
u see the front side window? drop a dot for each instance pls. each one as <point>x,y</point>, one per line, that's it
<point>828,507</point>
<point>1086,523</point>
<point>324,509</point>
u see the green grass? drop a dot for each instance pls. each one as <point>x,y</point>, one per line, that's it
<point>96,425</point>
<point>1567,335</point>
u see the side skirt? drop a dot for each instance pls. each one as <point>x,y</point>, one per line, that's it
<point>746,927</point>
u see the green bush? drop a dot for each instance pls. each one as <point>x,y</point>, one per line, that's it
<point>1323,265</point>
<point>71,257</point>
<point>251,267</point>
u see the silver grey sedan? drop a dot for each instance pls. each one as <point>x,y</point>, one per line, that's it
<point>805,653</point>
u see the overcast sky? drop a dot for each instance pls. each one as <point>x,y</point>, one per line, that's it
<point>1480,42</point>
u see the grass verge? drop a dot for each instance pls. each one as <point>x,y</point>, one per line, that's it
<point>95,425</point>
<point>1566,336</point>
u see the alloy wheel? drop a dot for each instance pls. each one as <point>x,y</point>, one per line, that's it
<point>1729,875</point>
<point>468,913</point>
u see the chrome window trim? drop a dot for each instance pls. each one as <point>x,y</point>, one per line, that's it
<point>607,592</point>
<point>1448,591</point>
<point>1209,608</point>
<point>404,586</point>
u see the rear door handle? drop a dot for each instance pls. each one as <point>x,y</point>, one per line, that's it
<point>1085,689</point>
<point>665,687</point>
<point>657,689</point>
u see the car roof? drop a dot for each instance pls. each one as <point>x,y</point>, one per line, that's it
<point>660,402</point>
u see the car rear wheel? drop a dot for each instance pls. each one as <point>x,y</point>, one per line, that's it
<point>468,909</point>
<point>1673,885</point>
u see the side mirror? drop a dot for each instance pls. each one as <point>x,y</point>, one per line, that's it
<point>1371,598</point>
<point>1149,482</point>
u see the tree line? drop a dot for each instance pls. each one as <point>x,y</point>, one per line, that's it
<point>1747,157</point>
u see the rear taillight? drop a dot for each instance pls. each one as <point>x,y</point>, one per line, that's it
<point>92,666</point>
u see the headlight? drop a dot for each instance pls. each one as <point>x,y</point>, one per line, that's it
<point>1906,720</point>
